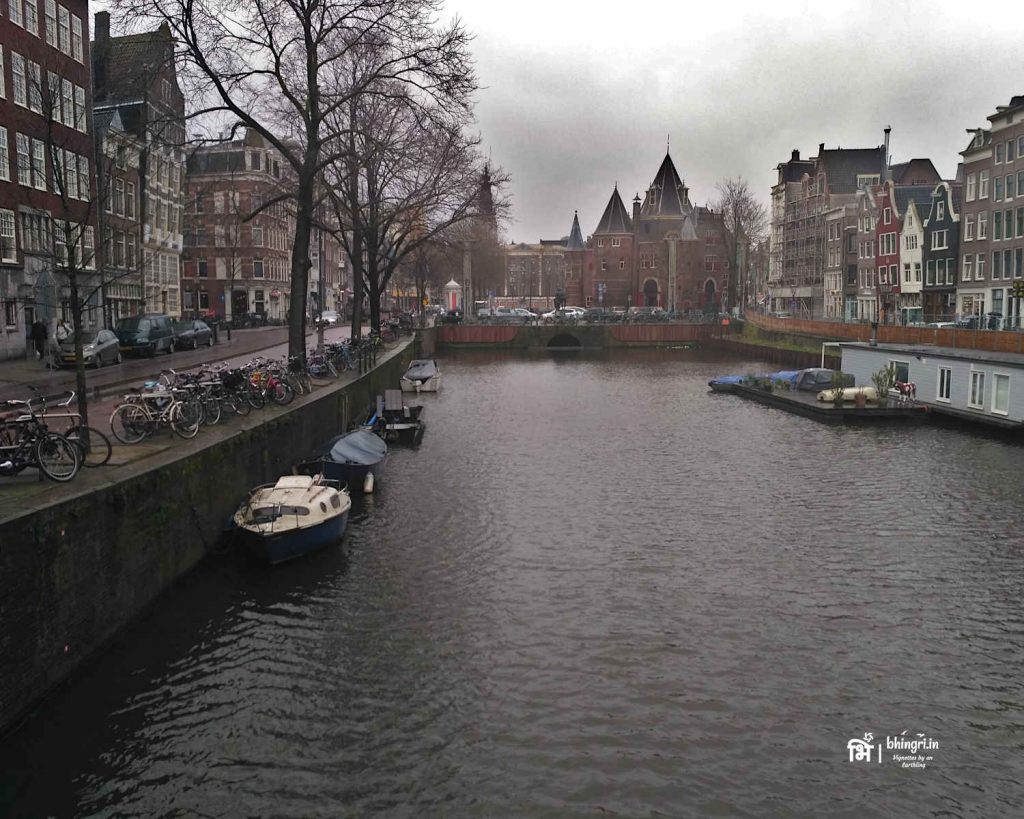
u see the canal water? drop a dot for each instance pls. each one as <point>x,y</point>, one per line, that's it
<point>595,590</point>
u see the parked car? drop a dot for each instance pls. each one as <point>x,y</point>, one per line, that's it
<point>452,317</point>
<point>97,349</point>
<point>191,333</point>
<point>941,325</point>
<point>564,314</point>
<point>147,334</point>
<point>329,317</point>
<point>641,314</point>
<point>600,315</point>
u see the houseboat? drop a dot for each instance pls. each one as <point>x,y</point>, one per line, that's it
<point>973,385</point>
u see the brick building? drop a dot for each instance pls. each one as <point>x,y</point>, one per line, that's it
<point>668,253</point>
<point>992,245</point>
<point>47,192</point>
<point>238,240</point>
<point>135,76</point>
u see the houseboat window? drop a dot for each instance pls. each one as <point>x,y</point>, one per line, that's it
<point>977,396</point>
<point>277,511</point>
<point>945,380</point>
<point>902,370</point>
<point>1001,394</point>
<point>335,501</point>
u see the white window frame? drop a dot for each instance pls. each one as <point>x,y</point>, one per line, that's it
<point>969,228</point>
<point>5,155</point>
<point>3,82</point>
<point>972,181</point>
<point>19,79</point>
<point>996,377</point>
<point>77,50</point>
<point>14,12</point>
<point>24,150</point>
<point>976,390</point>
<point>945,380</point>
<point>38,165</point>
<point>51,22</point>
<point>64,30</point>
<point>31,19</point>
<point>8,223</point>
<point>983,185</point>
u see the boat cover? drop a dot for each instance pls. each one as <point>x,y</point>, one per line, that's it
<point>728,379</point>
<point>358,447</point>
<point>818,378</point>
<point>422,369</point>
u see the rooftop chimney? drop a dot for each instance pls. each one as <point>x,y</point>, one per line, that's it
<point>100,54</point>
<point>885,157</point>
<point>821,147</point>
<point>795,156</point>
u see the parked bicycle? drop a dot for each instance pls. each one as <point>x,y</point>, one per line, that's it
<point>26,442</point>
<point>143,413</point>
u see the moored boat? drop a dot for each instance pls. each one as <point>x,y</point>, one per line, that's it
<point>423,375</point>
<point>355,458</point>
<point>398,421</point>
<point>292,517</point>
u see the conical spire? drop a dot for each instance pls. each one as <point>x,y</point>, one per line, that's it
<point>615,218</point>
<point>667,195</point>
<point>575,235</point>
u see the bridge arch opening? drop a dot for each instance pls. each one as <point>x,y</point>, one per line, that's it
<point>564,341</point>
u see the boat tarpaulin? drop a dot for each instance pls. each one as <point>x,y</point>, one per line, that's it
<point>422,369</point>
<point>357,447</point>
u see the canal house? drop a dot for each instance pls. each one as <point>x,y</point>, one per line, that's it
<point>975,385</point>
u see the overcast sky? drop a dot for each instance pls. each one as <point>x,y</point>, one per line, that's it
<point>580,96</point>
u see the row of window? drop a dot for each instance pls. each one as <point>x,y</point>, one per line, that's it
<point>120,248</point>
<point>70,178</point>
<point>1006,224</point>
<point>273,268</point>
<point>59,100</point>
<point>1006,264</point>
<point>121,198</point>
<point>63,30</point>
<point>1004,151</point>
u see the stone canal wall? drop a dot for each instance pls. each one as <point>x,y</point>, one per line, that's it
<point>600,336</point>
<point>75,570</point>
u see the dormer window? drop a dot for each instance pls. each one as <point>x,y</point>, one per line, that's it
<point>979,139</point>
<point>887,216</point>
<point>616,242</point>
<point>940,211</point>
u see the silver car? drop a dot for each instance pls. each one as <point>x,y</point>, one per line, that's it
<point>97,350</point>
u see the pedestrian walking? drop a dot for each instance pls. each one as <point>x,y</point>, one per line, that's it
<point>39,336</point>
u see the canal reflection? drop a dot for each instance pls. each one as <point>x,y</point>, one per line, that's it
<point>594,589</point>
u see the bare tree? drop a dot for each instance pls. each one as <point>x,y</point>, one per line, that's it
<point>411,175</point>
<point>285,69</point>
<point>746,222</point>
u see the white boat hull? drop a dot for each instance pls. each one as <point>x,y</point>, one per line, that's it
<point>432,384</point>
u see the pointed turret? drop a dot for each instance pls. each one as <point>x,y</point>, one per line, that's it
<point>575,241</point>
<point>615,218</point>
<point>667,196</point>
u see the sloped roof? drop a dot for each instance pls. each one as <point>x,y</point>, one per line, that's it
<point>920,195</point>
<point>615,218</point>
<point>956,192</point>
<point>575,241</point>
<point>688,230</point>
<point>842,165</point>
<point>667,194</point>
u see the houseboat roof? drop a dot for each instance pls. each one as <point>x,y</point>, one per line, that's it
<point>932,350</point>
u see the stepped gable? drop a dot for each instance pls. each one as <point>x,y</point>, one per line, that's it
<point>667,195</point>
<point>615,218</point>
<point>842,165</point>
<point>575,240</point>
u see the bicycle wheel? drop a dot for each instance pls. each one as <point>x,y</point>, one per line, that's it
<point>185,420</point>
<point>282,394</point>
<point>57,457</point>
<point>255,397</point>
<point>211,410</point>
<point>307,382</point>
<point>93,445</point>
<point>130,423</point>
<point>239,404</point>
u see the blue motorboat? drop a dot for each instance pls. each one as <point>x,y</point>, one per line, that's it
<point>292,517</point>
<point>726,383</point>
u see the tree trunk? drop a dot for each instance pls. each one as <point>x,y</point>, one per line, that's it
<point>76,325</point>
<point>300,266</point>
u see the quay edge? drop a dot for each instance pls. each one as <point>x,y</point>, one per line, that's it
<point>81,564</point>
